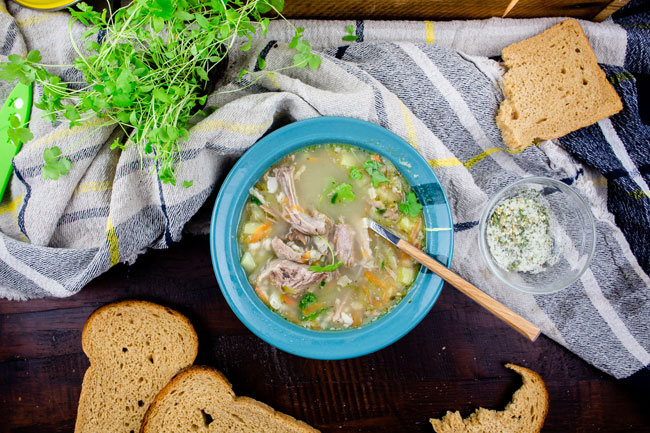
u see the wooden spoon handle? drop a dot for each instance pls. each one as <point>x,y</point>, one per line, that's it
<point>492,305</point>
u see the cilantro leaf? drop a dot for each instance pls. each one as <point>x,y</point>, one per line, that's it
<point>188,183</point>
<point>313,315</point>
<point>343,193</point>
<point>307,299</point>
<point>350,36</point>
<point>356,173</point>
<point>410,207</point>
<point>256,200</point>
<point>19,135</point>
<point>372,168</point>
<point>55,163</point>
<point>328,268</point>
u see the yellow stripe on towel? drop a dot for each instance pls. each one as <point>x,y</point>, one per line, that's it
<point>428,30</point>
<point>12,205</point>
<point>113,245</point>
<point>241,128</point>
<point>452,162</point>
<point>409,125</point>
<point>85,187</point>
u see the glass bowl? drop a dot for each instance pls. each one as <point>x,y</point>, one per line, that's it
<point>571,226</point>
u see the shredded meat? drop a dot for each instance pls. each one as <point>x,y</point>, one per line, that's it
<point>314,224</point>
<point>296,236</point>
<point>284,251</point>
<point>285,273</point>
<point>344,243</point>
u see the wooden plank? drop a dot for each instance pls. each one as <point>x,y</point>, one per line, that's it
<point>447,9</point>
<point>558,8</point>
<point>610,9</point>
<point>453,360</point>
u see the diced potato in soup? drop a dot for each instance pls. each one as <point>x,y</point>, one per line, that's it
<point>305,243</point>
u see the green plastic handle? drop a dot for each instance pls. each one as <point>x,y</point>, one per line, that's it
<point>19,104</point>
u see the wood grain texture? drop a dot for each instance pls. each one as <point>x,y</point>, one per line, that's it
<point>446,9</point>
<point>453,360</point>
<point>504,313</point>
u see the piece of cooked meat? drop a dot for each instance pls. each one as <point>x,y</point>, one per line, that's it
<point>284,251</point>
<point>285,273</point>
<point>344,243</point>
<point>296,236</point>
<point>314,224</point>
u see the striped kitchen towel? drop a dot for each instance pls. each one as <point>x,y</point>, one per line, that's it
<point>431,83</point>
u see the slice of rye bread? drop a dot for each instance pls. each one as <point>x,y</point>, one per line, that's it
<point>200,399</point>
<point>134,348</point>
<point>524,414</point>
<point>553,86</point>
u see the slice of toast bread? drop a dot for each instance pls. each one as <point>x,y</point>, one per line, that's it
<point>200,399</point>
<point>134,348</point>
<point>553,86</point>
<point>524,414</point>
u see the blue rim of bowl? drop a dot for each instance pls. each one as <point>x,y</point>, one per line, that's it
<point>487,211</point>
<point>224,250</point>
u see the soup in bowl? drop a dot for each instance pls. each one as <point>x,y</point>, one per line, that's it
<point>305,242</point>
<point>291,247</point>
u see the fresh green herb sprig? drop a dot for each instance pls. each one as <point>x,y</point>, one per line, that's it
<point>328,268</point>
<point>410,206</point>
<point>355,173</point>
<point>307,300</point>
<point>350,36</point>
<point>338,192</point>
<point>373,169</point>
<point>150,71</point>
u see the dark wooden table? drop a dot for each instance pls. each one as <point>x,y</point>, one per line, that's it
<point>452,360</point>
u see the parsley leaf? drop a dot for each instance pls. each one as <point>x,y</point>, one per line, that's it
<point>410,206</point>
<point>313,315</point>
<point>55,163</point>
<point>343,193</point>
<point>328,268</point>
<point>308,299</point>
<point>350,36</point>
<point>356,173</point>
<point>372,168</point>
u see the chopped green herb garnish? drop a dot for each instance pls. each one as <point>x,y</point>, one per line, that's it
<point>313,315</point>
<point>383,265</point>
<point>410,206</point>
<point>380,211</point>
<point>256,200</point>
<point>372,168</point>
<point>356,173</point>
<point>341,192</point>
<point>328,268</point>
<point>308,299</point>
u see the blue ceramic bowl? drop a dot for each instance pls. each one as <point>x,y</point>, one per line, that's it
<point>224,249</point>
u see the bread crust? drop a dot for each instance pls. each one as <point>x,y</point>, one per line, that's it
<point>570,92</point>
<point>93,376</point>
<point>219,376</point>
<point>502,421</point>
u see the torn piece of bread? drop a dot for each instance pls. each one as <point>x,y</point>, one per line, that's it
<point>134,348</point>
<point>524,414</point>
<point>200,399</point>
<point>553,86</point>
